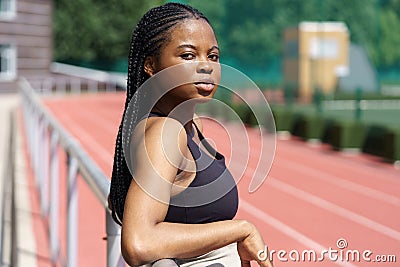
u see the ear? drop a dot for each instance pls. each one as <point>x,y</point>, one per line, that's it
<point>150,65</point>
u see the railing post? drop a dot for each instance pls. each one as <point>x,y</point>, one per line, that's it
<point>43,166</point>
<point>75,86</point>
<point>39,159</point>
<point>357,112</point>
<point>30,117</point>
<point>54,201</point>
<point>72,218</point>
<point>34,152</point>
<point>14,217</point>
<point>61,86</point>
<point>114,258</point>
<point>7,255</point>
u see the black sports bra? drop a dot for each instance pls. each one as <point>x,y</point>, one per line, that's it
<point>212,195</point>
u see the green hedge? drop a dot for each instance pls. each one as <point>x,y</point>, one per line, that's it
<point>383,142</point>
<point>328,132</point>
<point>347,134</point>
<point>244,113</point>
<point>340,134</point>
<point>308,126</point>
<point>392,147</point>
<point>284,119</point>
<point>376,141</point>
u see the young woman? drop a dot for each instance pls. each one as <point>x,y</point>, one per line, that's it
<point>170,225</point>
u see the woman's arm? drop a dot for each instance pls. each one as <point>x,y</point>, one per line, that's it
<point>145,235</point>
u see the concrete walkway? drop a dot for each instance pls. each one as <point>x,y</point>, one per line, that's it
<point>25,243</point>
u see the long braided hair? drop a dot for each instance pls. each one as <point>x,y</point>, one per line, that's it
<point>151,33</point>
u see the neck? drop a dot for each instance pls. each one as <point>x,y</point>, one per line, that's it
<point>182,112</point>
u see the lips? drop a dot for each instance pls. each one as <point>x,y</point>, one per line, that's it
<point>205,85</point>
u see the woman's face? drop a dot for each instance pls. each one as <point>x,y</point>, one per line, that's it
<point>191,41</point>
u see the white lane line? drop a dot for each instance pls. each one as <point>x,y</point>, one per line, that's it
<point>386,173</point>
<point>341,182</point>
<point>289,231</point>
<point>330,178</point>
<point>329,206</point>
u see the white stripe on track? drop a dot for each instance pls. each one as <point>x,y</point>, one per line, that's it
<point>330,178</point>
<point>329,206</point>
<point>289,231</point>
<point>341,182</point>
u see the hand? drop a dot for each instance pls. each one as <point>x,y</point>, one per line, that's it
<point>250,247</point>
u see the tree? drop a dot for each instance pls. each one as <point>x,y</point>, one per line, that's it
<point>249,33</point>
<point>96,30</point>
<point>389,41</point>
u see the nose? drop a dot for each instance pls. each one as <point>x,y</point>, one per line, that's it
<point>204,67</point>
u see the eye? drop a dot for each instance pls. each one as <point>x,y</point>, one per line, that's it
<point>214,57</point>
<point>187,56</point>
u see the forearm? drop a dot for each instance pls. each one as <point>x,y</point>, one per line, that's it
<point>189,240</point>
<point>173,240</point>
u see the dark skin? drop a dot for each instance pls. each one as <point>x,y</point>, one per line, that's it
<point>145,235</point>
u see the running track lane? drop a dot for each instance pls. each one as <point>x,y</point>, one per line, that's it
<point>313,196</point>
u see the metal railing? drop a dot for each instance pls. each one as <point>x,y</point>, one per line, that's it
<point>44,136</point>
<point>8,234</point>
<point>66,79</point>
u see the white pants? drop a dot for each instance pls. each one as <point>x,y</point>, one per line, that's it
<point>223,257</point>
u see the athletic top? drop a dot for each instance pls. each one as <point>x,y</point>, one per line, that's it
<point>212,195</point>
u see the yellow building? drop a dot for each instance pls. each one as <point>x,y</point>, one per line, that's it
<point>315,55</point>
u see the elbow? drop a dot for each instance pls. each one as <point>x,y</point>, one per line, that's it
<point>136,253</point>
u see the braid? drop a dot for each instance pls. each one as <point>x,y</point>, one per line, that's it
<point>151,33</point>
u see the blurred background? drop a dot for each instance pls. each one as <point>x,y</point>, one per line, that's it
<point>304,54</point>
<point>330,70</point>
<point>326,67</point>
<point>251,34</point>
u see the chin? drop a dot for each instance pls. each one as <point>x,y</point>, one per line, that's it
<point>205,96</point>
<point>201,100</point>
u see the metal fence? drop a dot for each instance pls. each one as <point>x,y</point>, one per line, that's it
<point>44,136</point>
<point>8,256</point>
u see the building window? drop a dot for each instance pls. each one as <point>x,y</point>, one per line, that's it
<point>7,9</point>
<point>324,48</point>
<point>8,60</point>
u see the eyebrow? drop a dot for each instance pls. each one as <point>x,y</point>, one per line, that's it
<point>195,48</point>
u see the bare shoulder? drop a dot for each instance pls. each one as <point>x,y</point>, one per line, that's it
<point>155,154</point>
<point>157,131</point>
<point>158,140</point>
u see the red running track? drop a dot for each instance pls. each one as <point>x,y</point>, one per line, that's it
<point>312,198</point>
